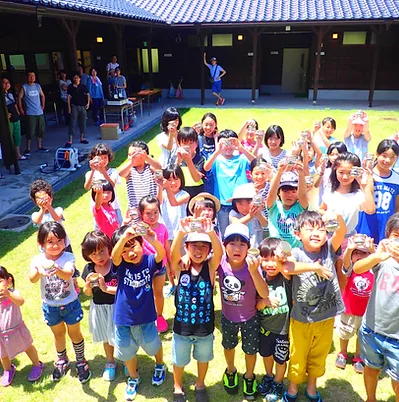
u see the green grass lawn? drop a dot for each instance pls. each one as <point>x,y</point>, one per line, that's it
<point>17,249</point>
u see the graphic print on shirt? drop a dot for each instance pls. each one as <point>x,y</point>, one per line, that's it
<point>286,223</point>
<point>193,305</point>
<point>231,289</point>
<point>56,288</point>
<point>362,286</point>
<point>138,280</point>
<point>280,294</point>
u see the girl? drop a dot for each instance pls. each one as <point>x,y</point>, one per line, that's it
<point>95,88</point>
<point>150,209</point>
<point>61,307</point>
<point>166,140</point>
<point>323,137</point>
<point>274,140</point>
<point>104,214</point>
<point>101,282</point>
<point>349,194</point>
<point>120,83</point>
<point>15,338</point>
<point>386,191</point>
<point>99,158</point>
<point>247,134</point>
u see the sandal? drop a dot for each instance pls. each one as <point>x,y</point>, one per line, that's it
<point>316,398</point>
<point>23,158</point>
<point>36,372</point>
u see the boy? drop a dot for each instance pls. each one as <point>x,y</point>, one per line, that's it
<point>240,282</point>
<point>216,73</point>
<point>379,333</point>
<point>229,170</point>
<point>135,314</point>
<point>357,135</point>
<point>194,323</point>
<point>316,302</point>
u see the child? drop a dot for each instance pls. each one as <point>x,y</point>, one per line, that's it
<point>324,136</point>
<point>355,296</point>
<point>229,170</point>
<point>138,174</point>
<point>205,205</point>
<point>166,140</point>
<point>135,313</point>
<point>100,284</point>
<point>357,135</point>
<point>193,329</point>
<point>104,214</point>
<point>240,282</point>
<point>316,302</point>
<point>150,209</point>
<point>273,153</point>
<point>379,333</point>
<point>99,158</point>
<point>386,191</point>
<point>15,338</point>
<point>61,307</point>
<point>247,134</point>
<point>286,199</point>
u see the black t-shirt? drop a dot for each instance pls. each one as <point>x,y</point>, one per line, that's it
<point>111,279</point>
<point>78,94</point>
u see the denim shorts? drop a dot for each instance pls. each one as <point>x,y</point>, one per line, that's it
<point>160,272</point>
<point>379,351</point>
<point>129,339</point>
<point>70,313</point>
<point>181,349</point>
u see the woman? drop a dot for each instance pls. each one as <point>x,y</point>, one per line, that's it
<point>96,97</point>
<point>120,83</point>
<point>64,84</point>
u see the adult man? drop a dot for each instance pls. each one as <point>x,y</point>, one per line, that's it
<point>31,102</point>
<point>216,73</point>
<point>83,76</point>
<point>78,102</point>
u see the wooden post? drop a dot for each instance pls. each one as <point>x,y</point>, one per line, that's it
<point>120,45</point>
<point>320,32</point>
<point>149,49</point>
<point>254,62</point>
<point>202,74</point>
<point>71,28</point>
<point>376,55</point>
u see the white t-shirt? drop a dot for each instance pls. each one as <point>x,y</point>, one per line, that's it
<point>112,66</point>
<point>170,216</point>
<point>162,141</point>
<point>347,205</point>
<point>54,290</point>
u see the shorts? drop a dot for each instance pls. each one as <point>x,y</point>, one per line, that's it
<point>160,272</point>
<point>275,345</point>
<point>202,347</point>
<point>217,86</point>
<point>249,334</point>
<point>379,352</point>
<point>129,339</point>
<point>16,132</point>
<point>348,326</point>
<point>34,126</point>
<point>71,313</point>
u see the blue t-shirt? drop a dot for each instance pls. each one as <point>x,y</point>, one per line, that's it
<point>229,173</point>
<point>358,146</point>
<point>134,299</point>
<point>282,222</point>
<point>215,71</point>
<point>386,189</point>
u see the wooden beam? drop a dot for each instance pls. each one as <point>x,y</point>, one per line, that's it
<point>149,49</point>
<point>71,27</point>
<point>378,30</point>
<point>320,32</point>
<point>202,35</point>
<point>254,62</point>
<point>120,45</point>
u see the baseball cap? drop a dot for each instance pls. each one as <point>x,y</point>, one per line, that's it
<point>195,236</point>
<point>246,190</point>
<point>237,229</point>
<point>213,58</point>
<point>289,179</point>
<point>202,197</point>
<point>358,120</point>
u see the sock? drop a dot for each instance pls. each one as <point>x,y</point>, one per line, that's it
<point>62,355</point>
<point>79,350</point>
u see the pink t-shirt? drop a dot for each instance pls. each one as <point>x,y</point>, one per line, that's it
<point>106,220</point>
<point>162,237</point>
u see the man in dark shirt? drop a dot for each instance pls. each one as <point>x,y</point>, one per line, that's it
<point>78,102</point>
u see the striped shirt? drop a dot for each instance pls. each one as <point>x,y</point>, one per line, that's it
<point>139,185</point>
<point>269,158</point>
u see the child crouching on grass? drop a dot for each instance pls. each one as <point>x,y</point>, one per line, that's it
<point>193,328</point>
<point>135,313</point>
<point>379,333</point>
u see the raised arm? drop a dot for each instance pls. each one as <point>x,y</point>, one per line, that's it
<point>272,194</point>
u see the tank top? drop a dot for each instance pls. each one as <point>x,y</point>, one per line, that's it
<point>32,100</point>
<point>195,312</point>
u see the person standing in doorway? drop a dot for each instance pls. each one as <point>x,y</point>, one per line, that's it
<point>216,72</point>
<point>113,64</point>
<point>31,102</point>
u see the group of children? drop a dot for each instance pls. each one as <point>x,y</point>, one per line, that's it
<point>295,238</point>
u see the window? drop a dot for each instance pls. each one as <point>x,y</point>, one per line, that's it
<point>195,40</point>
<point>354,38</point>
<point>222,40</point>
<point>155,61</point>
<point>42,61</point>
<point>17,61</point>
<point>3,64</point>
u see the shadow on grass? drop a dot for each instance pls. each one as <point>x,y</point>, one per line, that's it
<point>339,390</point>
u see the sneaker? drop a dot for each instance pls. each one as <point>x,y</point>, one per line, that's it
<point>109,372</point>
<point>8,376</point>
<point>201,395</point>
<point>84,141</point>
<point>289,398</point>
<point>36,372</point>
<point>169,291</point>
<point>84,374</point>
<point>230,382</point>
<point>217,103</point>
<point>341,360</point>
<point>159,376</point>
<point>27,152</point>
<point>265,385</point>
<point>162,324</point>
<point>275,392</point>
<point>249,387</point>
<point>60,369</point>
<point>131,388</point>
<point>68,144</point>
<point>316,398</point>
<point>358,365</point>
<point>222,101</point>
<point>43,150</point>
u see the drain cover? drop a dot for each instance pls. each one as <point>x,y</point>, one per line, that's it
<point>15,223</point>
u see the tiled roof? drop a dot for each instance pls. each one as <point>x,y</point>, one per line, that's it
<point>113,8</point>
<point>227,11</point>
